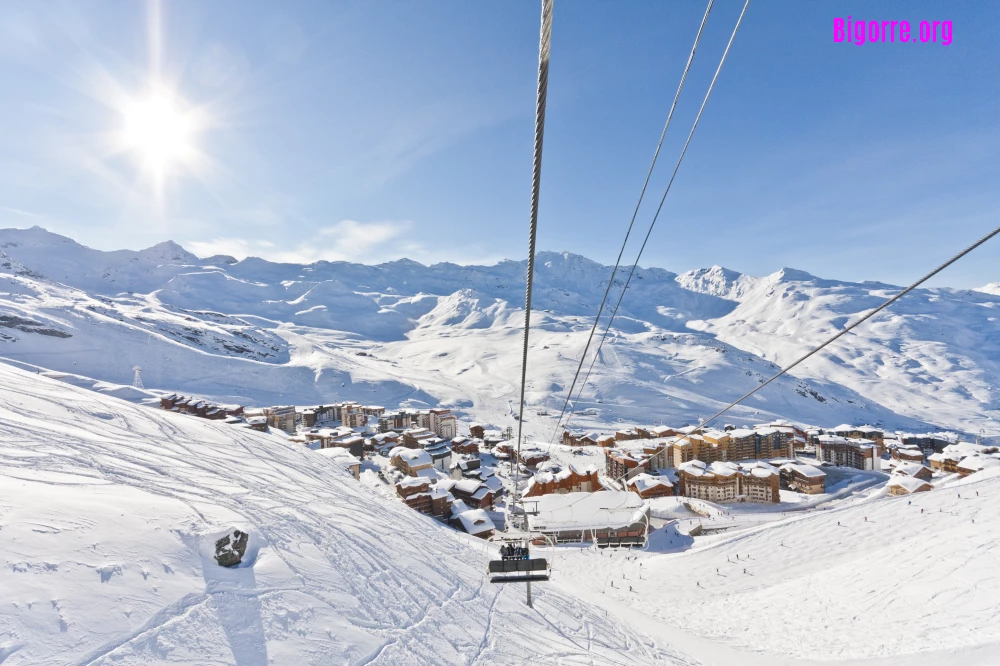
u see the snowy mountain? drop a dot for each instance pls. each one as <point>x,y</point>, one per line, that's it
<point>259,332</point>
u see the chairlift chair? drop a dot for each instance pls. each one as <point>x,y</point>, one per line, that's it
<point>524,569</point>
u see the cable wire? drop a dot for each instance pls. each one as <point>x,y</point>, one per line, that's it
<point>544,50</point>
<point>866,317</point>
<point>642,194</point>
<point>666,191</point>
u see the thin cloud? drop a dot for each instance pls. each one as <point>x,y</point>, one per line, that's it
<point>347,240</point>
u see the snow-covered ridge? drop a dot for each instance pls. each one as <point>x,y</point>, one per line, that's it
<point>243,331</point>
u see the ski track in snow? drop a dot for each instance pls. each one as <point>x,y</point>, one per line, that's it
<point>403,589</point>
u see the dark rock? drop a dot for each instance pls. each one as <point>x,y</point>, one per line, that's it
<point>230,549</point>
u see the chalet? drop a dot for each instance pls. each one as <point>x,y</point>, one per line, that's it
<point>803,478</point>
<point>475,522</point>
<point>945,462</point>
<point>465,468</point>
<point>977,462</point>
<point>168,401</point>
<point>474,493</point>
<point>477,431</point>
<point>344,458</point>
<point>385,440</point>
<point>655,432</point>
<point>647,486</point>
<point>857,453</point>
<point>416,493</point>
<point>529,457</point>
<point>608,518</point>
<point>606,441</point>
<point>414,437</point>
<point>580,438</point>
<point>354,444</point>
<point>552,477</point>
<point>410,461</point>
<point>916,470</point>
<point>258,423</point>
<point>626,434</point>
<point>466,445</point>
<point>907,453</point>
<point>441,499</point>
<point>906,485</point>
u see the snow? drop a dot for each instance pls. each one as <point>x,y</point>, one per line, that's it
<point>108,516</point>
<point>253,332</point>
<point>475,521</point>
<point>608,509</point>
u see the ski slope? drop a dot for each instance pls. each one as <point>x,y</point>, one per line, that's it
<point>109,512</point>
<point>904,581</point>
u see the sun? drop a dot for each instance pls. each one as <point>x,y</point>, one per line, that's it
<point>160,129</point>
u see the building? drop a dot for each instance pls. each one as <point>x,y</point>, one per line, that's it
<point>624,463</point>
<point>477,430</point>
<point>282,418</point>
<point>416,493</point>
<point>803,478</point>
<point>577,438</point>
<point>916,470</point>
<point>410,461</point>
<point>474,493</point>
<point>722,481</point>
<point>475,522</point>
<point>900,484</point>
<point>977,462</point>
<point>857,453</point>
<point>466,445</point>
<point>414,437</point>
<point>530,458</point>
<point>647,486</point>
<point>440,452</point>
<point>552,478</point>
<point>608,518</point>
<point>443,423</point>
<point>344,458</point>
<point>258,423</point>
<point>352,416</point>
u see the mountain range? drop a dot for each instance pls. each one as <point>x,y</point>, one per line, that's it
<point>683,345</point>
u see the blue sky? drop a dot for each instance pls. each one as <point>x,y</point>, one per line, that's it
<point>372,130</point>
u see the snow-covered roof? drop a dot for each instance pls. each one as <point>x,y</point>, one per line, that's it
<point>804,470</point>
<point>412,457</point>
<point>911,483</point>
<point>643,482</point>
<point>909,468</point>
<point>975,463</point>
<point>475,521</point>
<point>612,509</point>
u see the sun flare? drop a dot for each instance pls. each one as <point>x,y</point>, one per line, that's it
<point>161,131</point>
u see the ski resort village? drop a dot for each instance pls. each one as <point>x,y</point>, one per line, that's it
<point>616,479</point>
<point>303,362</point>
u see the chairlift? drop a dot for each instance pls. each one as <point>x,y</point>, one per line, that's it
<point>516,565</point>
